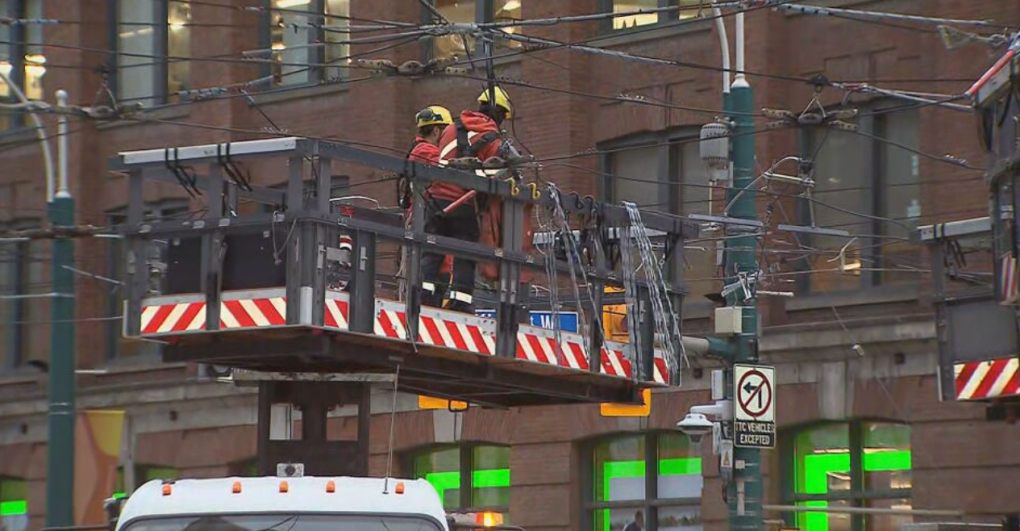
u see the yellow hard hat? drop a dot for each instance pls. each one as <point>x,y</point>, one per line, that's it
<point>433,115</point>
<point>502,100</point>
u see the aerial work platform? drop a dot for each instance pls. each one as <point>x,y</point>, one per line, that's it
<point>259,291</point>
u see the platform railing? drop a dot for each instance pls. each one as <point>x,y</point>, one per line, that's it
<point>304,233</point>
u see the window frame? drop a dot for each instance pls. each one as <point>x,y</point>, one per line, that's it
<point>485,11</point>
<point>317,54</point>
<point>18,34</point>
<point>857,496</point>
<point>139,473</point>
<point>465,469</point>
<point>15,343</point>
<point>875,125</point>
<point>161,38</point>
<point>25,501</point>
<point>606,26</point>
<point>651,503</point>
<point>666,141</point>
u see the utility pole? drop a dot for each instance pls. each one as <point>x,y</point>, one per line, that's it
<point>744,493</point>
<point>61,413</point>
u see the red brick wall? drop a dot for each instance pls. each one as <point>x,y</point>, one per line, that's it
<point>378,112</point>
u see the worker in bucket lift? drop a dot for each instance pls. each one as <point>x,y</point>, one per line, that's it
<point>430,123</point>
<point>473,134</point>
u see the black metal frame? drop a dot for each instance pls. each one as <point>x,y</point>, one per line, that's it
<point>311,232</point>
<point>313,449</point>
<point>650,504</point>
<point>856,496</point>
<point>465,469</point>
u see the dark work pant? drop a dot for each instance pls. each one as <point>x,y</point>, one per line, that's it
<point>462,224</point>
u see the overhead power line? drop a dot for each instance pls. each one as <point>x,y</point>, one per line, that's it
<point>877,15</point>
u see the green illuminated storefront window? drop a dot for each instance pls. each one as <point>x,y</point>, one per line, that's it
<point>669,500</point>
<point>485,467</point>
<point>855,464</point>
<point>143,474</point>
<point>13,504</point>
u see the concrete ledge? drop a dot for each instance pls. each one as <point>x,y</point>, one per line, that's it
<point>882,295</point>
<point>170,111</point>
<point>886,329</point>
<point>300,92</point>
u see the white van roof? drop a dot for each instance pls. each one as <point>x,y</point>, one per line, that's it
<point>304,495</point>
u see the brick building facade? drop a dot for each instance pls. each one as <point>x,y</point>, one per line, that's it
<point>861,430</point>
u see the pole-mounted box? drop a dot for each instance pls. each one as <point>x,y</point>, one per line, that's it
<point>729,320</point>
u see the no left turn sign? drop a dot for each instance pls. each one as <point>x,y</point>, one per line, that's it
<point>754,394</point>
<point>754,423</point>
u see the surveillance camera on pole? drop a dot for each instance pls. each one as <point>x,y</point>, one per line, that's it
<point>696,426</point>
<point>705,419</point>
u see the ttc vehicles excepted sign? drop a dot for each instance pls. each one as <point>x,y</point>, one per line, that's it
<point>754,424</point>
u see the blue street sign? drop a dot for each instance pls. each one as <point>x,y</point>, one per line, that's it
<point>568,320</point>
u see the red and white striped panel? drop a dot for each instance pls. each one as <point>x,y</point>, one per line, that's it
<point>537,344</point>
<point>190,316</point>
<point>237,310</point>
<point>980,380</point>
<point>1009,283</point>
<point>661,374</point>
<point>173,317</point>
<point>451,333</point>
<point>390,323</point>
<point>253,313</point>
<point>336,313</point>
<point>615,362</point>
<point>434,329</point>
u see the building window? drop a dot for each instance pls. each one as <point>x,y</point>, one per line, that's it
<point>13,504</point>
<point>21,57</point>
<point>117,346</point>
<point>653,479</point>
<point>143,475</point>
<point>663,171</point>
<point>467,476</point>
<point>467,11</point>
<point>688,9</point>
<point>24,308</point>
<point>153,45</point>
<point>849,464</point>
<point>306,33</point>
<point>863,178</point>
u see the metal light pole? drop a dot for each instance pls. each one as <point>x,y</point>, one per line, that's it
<point>61,413</point>
<point>744,493</point>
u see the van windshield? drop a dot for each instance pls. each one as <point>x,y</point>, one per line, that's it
<point>283,522</point>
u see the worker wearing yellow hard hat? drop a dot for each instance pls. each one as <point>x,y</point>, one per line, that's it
<point>432,115</point>
<point>430,123</point>
<point>474,134</point>
<point>502,104</point>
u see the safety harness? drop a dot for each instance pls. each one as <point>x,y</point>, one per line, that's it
<point>465,148</point>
